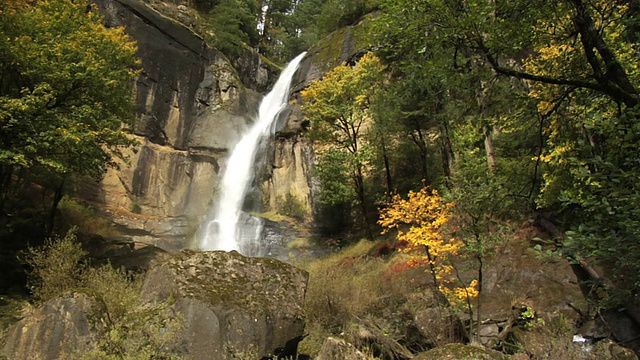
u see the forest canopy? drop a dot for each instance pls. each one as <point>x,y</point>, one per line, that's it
<point>514,110</point>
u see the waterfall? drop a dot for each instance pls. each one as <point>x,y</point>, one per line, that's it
<point>227,227</point>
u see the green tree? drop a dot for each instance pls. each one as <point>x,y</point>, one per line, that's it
<point>573,67</point>
<point>65,93</point>
<point>234,24</point>
<point>338,108</point>
<point>277,28</point>
<point>339,13</point>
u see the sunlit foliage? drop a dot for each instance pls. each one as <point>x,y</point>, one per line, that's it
<point>420,222</point>
<point>338,110</point>
<point>65,92</point>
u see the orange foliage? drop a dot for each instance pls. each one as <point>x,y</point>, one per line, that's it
<point>420,221</point>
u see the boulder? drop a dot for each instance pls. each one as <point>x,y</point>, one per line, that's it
<point>460,351</point>
<point>337,349</point>
<point>57,329</point>
<point>232,304</point>
<point>438,325</point>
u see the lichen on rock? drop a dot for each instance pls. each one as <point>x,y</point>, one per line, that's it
<point>241,301</point>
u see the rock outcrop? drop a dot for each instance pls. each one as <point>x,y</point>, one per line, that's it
<point>192,105</point>
<point>58,328</point>
<point>291,160</point>
<point>232,304</point>
<point>461,351</point>
<point>231,307</point>
<point>337,349</point>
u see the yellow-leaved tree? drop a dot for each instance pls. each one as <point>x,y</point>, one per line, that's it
<point>420,221</point>
<point>338,108</point>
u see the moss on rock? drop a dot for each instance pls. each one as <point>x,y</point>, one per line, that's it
<point>255,301</point>
<point>460,352</point>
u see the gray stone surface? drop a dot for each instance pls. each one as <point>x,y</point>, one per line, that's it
<point>232,307</point>
<point>58,328</point>
<point>338,349</point>
<point>234,304</point>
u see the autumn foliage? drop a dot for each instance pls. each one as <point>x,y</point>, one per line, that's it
<point>66,84</point>
<point>420,222</point>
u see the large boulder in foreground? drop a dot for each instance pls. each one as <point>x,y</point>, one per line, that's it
<point>460,351</point>
<point>232,305</point>
<point>338,349</point>
<point>56,329</point>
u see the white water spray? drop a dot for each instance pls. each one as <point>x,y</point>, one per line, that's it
<point>227,227</point>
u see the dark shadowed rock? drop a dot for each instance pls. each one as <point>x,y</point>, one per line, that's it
<point>438,326</point>
<point>58,328</point>
<point>232,304</point>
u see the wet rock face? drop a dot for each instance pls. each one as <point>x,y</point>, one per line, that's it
<point>173,62</point>
<point>292,158</point>
<point>191,108</point>
<point>232,304</point>
<point>192,105</point>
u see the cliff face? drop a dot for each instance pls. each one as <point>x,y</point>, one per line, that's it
<point>291,158</point>
<point>191,107</point>
<point>192,104</point>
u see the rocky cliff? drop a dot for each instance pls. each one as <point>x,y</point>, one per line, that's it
<point>192,104</point>
<point>291,155</point>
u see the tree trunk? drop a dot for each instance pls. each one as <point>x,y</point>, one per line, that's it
<point>479,300</point>
<point>387,168</point>
<point>359,180</point>
<point>488,147</point>
<point>6,172</point>
<point>265,14</point>
<point>57,196</point>
<point>613,78</point>
<point>422,146</point>
<point>447,151</point>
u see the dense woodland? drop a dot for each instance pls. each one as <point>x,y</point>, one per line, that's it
<point>460,120</point>
<point>513,110</point>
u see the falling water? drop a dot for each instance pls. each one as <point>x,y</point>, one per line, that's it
<point>227,227</point>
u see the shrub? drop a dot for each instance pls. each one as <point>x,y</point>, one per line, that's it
<point>56,267</point>
<point>345,288</point>
<point>126,327</point>
<point>291,206</point>
<point>85,218</point>
<point>132,328</point>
